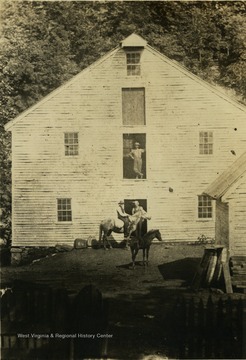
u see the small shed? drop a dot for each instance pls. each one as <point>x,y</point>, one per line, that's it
<point>229,192</point>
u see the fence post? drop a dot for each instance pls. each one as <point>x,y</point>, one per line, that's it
<point>89,317</point>
<point>228,330</point>
<point>209,329</point>
<point>181,328</point>
<point>240,321</point>
<point>219,329</point>
<point>191,329</point>
<point>200,330</point>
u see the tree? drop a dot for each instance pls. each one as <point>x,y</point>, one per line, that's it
<point>43,44</point>
<point>232,62</point>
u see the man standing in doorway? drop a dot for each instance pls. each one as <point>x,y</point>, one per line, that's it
<point>136,155</point>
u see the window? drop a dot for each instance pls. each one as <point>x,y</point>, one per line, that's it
<point>205,208</point>
<point>206,142</point>
<point>133,63</point>
<point>133,106</point>
<point>134,156</point>
<point>64,210</point>
<point>71,143</point>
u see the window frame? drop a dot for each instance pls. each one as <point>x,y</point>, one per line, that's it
<point>71,143</point>
<point>206,207</point>
<point>206,142</point>
<point>132,63</point>
<point>64,208</point>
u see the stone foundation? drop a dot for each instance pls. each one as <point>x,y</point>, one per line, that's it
<point>16,256</point>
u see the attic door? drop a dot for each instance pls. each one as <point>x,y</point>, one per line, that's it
<point>133,106</point>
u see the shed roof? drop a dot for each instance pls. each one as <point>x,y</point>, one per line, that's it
<point>133,40</point>
<point>228,178</point>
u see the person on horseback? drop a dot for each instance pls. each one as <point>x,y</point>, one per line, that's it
<point>139,210</point>
<point>122,215</point>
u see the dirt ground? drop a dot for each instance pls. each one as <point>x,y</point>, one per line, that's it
<point>139,299</point>
<point>170,266</point>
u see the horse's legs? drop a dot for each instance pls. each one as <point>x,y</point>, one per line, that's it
<point>134,255</point>
<point>147,255</point>
<point>127,244</point>
<point>105,239</point>
<point>143,256</point>
<point>106,242</point>
<point>127,239</point>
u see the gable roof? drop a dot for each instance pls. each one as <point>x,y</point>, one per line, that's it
<point>231,176</point>
<point>133,40</point>
<point>130,41</point>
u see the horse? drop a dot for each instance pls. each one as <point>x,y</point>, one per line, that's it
<point>109,225</point>
<point>143,243</point>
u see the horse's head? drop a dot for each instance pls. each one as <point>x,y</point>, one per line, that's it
<point>152,234</point>
<point>158,235</point>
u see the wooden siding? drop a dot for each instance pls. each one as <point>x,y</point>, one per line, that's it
<point>177,109</point>
<point>222,223</point>
<point>237,205</point>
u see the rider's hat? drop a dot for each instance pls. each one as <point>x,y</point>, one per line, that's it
<point>121,202</point>
<point>137,143</point>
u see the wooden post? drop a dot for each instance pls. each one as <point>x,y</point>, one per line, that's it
<point>226,271</point>
<point>202,268</point>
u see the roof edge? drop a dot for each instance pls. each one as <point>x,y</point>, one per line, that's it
<point>204,83</point>
<point>173,63</point>
<point>220,186</point>
<point>233,187</point>
<point>228,190</point>
<point>56,91</point>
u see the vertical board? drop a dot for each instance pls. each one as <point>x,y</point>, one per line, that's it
<point>133,106</point>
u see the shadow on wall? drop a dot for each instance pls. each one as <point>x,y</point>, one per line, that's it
<point>183,269</point>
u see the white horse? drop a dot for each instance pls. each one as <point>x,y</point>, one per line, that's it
<point>109,225</point>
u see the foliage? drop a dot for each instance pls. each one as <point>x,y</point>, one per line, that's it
<point>5,190</point>
<point>43,44</point>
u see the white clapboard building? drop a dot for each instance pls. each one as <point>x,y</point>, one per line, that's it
<point>229,191</point>
<point>70,151</point>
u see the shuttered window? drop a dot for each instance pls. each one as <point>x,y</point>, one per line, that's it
<point>205,208</point>
<point>133,106</point>
<point>64,209</point>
